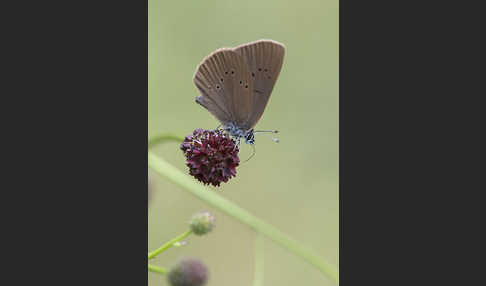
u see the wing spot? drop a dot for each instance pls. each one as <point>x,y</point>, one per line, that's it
<point>241,82</point>
<point>221,79</point>
<point>246,86</point>
<point>253,74</point>
<point>225,72</point>
<point>265,70</point>
<point>232,72</point>
<point>217,86</point>
<point>259,69</point>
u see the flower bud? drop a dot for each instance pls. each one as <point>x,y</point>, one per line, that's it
<point>188,272</point>
<point>202,223</point>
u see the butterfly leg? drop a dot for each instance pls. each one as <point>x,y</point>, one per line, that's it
<point>238,142</point>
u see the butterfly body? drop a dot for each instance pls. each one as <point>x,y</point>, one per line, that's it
<point>235,84</point>
<point>239,133</point>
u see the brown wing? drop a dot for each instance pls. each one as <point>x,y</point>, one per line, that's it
<point>225,85</point>
<point>265,59</point>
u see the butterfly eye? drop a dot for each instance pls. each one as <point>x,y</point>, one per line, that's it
<point>259,69</point>
<point>246,86</point>
<point>241,82</point>
<point>232,72</point>
<point>217,86</point>
<point>225,72</point>
<point>221,79</point>
<point>253,74</point>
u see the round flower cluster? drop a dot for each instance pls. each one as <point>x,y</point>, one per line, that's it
<point>212,156</point>
<point>202,223</point>
<point>188,272</point>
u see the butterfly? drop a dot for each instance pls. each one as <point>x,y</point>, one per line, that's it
<point>235,85</point>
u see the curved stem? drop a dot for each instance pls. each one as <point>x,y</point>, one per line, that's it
<point>157,269</point>
<point>168,244</point>
<point>152,141</point>
<point>204,193</point>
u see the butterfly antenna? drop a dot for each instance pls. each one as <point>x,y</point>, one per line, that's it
<point>254,151</point>
<point>276,140</point>
<point>268,131</point>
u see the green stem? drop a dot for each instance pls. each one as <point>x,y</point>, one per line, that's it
<point>163,138</point>
<point>157,269</point>
<point>168,244</point>
<point>204,193</point>
<point>259,260</point>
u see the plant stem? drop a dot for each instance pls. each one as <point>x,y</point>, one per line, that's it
<point>157,269</point>
<point>259,260</point>
<point>204,193</point>
<point>152,141</point>
<point>168,244</point>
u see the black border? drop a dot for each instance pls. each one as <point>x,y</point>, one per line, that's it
<point>408,132</point>
<point>81,215</point>
<point>375,182</point>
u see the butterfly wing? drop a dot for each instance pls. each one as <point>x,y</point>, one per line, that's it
<point>225,85</point>
<point>264,59</point>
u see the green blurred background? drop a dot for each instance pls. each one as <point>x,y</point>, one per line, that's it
<point>293,184</point>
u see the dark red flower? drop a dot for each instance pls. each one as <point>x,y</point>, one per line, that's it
<point>188,272</point>
<point>212,156</point>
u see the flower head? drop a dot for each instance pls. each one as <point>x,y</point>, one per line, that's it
<point>212,156</point>
<point>202,223</point>
<point>188,272</point>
